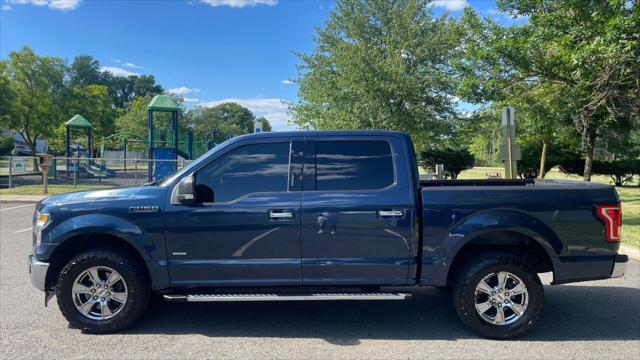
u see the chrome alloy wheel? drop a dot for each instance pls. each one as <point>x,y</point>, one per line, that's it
<point>501,298</point>
<point>99,293</point>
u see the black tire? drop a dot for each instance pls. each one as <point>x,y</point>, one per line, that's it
<point>464,288</point>
<point>133,273</point>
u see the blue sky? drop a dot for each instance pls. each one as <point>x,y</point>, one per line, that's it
<point>208,51</point>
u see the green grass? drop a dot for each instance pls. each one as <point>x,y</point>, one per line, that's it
<point>53,189</point>
<point>630,198</point>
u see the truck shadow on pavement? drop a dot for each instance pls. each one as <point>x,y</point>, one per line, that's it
<point>571,313</point>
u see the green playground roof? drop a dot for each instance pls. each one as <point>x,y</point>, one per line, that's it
<point>78,121</point>
<point>163,103</point>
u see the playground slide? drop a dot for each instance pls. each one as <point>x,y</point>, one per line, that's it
<point>98,170</point>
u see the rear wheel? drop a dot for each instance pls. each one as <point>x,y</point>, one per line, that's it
<point>102,290</point>
<point>498,296</point>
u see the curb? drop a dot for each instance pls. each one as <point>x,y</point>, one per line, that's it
<point>30,199</point>
<point>630,251</point>
<point>3,201</point>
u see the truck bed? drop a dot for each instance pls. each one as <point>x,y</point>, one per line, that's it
<point>560,213</point>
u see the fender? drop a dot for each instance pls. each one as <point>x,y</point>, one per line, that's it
<point>438,263</point>
<point>493,220</point>
<point>149,246</point>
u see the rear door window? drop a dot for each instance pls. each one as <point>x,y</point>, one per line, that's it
<point>353,165</point>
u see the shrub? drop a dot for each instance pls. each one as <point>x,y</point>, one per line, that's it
<point>6,144</point>
<point>529,165</point>
<point>572,165</point>
<point>620,171</point>
<point>454,160</point>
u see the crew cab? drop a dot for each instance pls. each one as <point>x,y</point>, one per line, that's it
<point>322,215</point>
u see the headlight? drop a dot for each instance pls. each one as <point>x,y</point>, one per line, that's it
<point>41,221</point>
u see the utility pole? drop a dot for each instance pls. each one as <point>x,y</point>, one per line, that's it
<point>509,150</point>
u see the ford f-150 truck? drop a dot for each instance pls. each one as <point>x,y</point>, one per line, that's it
<point>321,215</point>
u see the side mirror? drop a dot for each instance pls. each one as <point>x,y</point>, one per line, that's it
<point>185,191</point>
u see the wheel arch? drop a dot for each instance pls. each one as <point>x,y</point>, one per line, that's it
<point>79,243</point>
<point>524,243</point>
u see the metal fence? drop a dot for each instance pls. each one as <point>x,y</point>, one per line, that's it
<point>80,172</point>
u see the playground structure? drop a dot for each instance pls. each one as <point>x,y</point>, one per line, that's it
<point>89,166</point>
<point>164,146</point>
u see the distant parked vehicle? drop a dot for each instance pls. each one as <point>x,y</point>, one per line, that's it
<point>335,215</point>
<point>21,150</point>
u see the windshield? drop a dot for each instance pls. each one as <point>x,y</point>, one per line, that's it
<point>166,181</point>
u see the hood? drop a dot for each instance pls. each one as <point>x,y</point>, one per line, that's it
<point>102,195</point>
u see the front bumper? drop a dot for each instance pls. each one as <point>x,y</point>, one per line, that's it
<point>38,271</point>
<point>619,265</point>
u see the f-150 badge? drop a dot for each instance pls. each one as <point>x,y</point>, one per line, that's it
<point>143,209</point>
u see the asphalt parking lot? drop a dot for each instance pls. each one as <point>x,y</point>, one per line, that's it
<point>598,319</point>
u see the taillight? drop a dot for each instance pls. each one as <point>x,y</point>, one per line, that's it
<point>611,215</point>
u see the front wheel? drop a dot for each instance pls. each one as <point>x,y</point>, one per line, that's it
<point>102,291</point>
<point>498,296</point>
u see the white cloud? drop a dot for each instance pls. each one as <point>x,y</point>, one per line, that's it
<point>239,3</point>
<point>287,82</point>
<point>451,5</point>
<point>182,90</point>
<point>126,64</point>
<point>116,71</point>
<point>132,65</point>
<point>275,110</point>
<point>51,4</point>
<point>6,7</point>
<point>188,99</point>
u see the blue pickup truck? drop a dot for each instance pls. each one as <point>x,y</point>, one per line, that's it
<point>321,215</point>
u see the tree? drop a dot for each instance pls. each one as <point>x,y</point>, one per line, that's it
<point>135,119</point>
<point>94,103</point>
<point>483,134</point>
<point>84,70</point>
<point>543,118</point>
<point>226,118</point>
<point>266,126</point>
<point>380,64</point>
<point>588,48</point>
<point>454,160</point>
<point>124,89</point>
<point>6,144</point>
<point>7,94</point>
<point>38,93</point>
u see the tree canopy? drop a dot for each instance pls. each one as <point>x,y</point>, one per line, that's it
<point>380,64</point>
<point>227,118</point>
<point>582,56</point>
<point>35,89</point>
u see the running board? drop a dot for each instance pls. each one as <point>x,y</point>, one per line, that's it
<point>288,297</point>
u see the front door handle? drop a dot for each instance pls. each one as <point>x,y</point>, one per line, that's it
<point>391,213</point>
<point>280,214</point>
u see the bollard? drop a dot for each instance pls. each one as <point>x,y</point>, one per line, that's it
<point>44,161</point>
<point>440,171</point>
<point>10,169</point>
<point>75,173</point>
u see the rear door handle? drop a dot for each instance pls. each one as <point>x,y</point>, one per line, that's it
<point>391,213</point>
<point>280,214</point>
